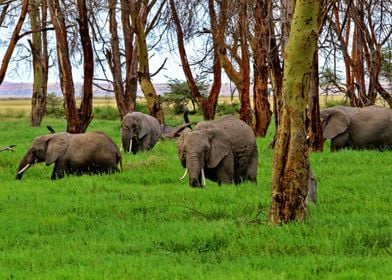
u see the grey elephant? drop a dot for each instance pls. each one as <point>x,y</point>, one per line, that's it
<point>223,151</point>
<point>92,152</point>
<point>357,128</point>
<point>139,132</point>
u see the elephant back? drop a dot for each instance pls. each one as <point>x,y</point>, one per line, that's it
<point>239,132</point>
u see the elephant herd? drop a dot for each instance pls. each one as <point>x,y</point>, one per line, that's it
<point>223,150</point>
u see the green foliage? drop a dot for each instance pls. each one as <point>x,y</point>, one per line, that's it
<point>144,223</point>
<point>180,95</point>
<point>142,107</point>
<point>329,77</point>
<point>225,108</point>
<point>386,64</point>
<point>331,103</point>
<point>106,113</point>
<point>54,106</point>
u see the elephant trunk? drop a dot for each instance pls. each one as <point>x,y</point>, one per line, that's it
<point>196,172</point>
<point>126,142</point>
<point>27,161</point>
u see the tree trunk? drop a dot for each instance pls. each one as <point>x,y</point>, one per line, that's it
<point>131,60</point>
<point>241,76</point>
<point>315,131</point>
<point>125,93</point>
<point>262,106</point>
<point>13,41</point>
<point>77,119</point>
<point>38,99</point>
<point>85,112</point>
<point>290,171</point>
<point>276,68</point>
<point>207,105</point>
<point>212,101</point>
<point>114,60</point>
<point>139,16</point>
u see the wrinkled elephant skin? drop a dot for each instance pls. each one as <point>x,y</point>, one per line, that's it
<point>92,152</point>
<point>223,151</point>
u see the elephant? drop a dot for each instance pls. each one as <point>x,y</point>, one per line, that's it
<point>92,152</point>
<point>139,132</point>
<point>223,151</point>
<point>357,128</point>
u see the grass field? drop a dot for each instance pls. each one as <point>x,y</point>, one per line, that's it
<point>144,223</point>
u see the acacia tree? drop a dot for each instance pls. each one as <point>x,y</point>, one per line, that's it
<point>229,29</point>
<point>139,10</point>
<point>259,44</point>
<point>39,50</point>
<point>208,105</point>
<point>315,134</point>
<point>78,119</point>
<point>14,38</point>
<point>277,49</point>
<point>362,29</point>
<point>290,171</point>
<point>124,89</point>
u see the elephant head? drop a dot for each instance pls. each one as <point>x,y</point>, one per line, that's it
<point>46,148</point>
<point>334,122</point>
<point>134,127</point>
<point>201,150</point>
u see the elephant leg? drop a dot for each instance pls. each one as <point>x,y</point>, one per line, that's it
<point>225,171</point>
<point>145,143</point>
<point>251,171</point>
<point>340,142</point>
<point>58,171</point>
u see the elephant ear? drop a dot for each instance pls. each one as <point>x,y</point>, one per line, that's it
<point>336,123</point>
<point>57,146</point>
<point>180,146</point>
<point>220,147</point>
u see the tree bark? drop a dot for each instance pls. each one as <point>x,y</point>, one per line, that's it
<point>208,105</point>
<point>38,99</point>
<point>124,91</point>
<point>315,131</point>
<point>290,171</point>
<point>131,60</point>
<point>14,40</point>
<point>77,119</point>
<point>240,77</point>
<point>139,16</point>
<point>85,112</point>
<point>287,10</point>
<point>262,106</point>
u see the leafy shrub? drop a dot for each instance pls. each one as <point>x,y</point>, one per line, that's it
<point>227,108</point>
<point>142,107</point>
<point>332,103</point>
<point>106,113</point>
<point>54,105</point>
<point>180,95</point>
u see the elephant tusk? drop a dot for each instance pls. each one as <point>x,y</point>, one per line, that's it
<point>24,168</point>
<point>130,146</point>
<point>203,178</point>
<point>183,176</point>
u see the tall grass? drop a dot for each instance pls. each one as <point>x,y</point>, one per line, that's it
<point>143,223</point>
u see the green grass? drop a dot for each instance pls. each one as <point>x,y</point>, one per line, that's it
<point>145,224</point>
